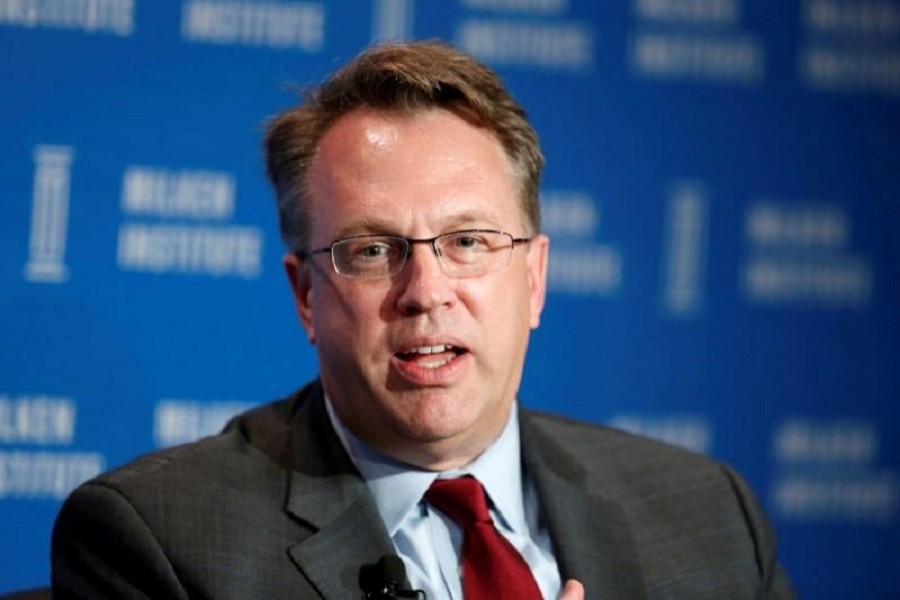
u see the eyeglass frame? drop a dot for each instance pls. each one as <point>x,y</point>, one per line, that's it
<point>410,242</point>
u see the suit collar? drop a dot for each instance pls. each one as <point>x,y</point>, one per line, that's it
<point>591,537</point>
<point>590,533</point>
<point>327,493</point>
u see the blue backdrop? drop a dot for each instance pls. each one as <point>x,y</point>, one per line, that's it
<point>721,193</point>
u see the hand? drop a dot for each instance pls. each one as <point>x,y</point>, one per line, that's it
<point>573,590</point>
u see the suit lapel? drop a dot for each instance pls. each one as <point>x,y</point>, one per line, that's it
<point>328,494</point>
<point>591,537</point>
<point>590,534</point>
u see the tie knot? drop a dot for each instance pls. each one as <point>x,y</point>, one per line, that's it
<point>462,499</point>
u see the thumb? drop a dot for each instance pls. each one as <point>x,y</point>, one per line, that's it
<point>573,590</point>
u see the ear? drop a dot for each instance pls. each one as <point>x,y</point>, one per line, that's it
<point>538,257</point>
<point>298,277</point>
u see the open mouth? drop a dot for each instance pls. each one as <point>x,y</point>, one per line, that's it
<point>431,357</point>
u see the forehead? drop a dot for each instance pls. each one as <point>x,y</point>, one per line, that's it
<point>410,169</point>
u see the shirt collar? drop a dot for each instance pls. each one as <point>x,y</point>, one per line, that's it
<point>398,487</point>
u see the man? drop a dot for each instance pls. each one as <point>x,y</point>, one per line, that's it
<point>407,188</point>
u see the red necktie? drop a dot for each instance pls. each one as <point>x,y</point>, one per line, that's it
<point>491,567</point>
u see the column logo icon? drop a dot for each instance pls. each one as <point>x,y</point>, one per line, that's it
<point>49,214</point>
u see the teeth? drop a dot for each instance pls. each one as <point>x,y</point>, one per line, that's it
<point>434,364</point>
<point>430,349</point>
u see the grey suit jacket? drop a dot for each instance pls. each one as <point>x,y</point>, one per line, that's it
<point>273,508</point>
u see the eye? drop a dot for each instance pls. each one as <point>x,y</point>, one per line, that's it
<point>371,250</point>
<point>468,241</point>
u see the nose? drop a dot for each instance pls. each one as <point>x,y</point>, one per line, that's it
<point>423,286</point>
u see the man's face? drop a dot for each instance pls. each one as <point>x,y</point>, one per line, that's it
<point>418,176</point>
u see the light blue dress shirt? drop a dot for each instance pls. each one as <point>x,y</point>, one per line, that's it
<point>428,541</point>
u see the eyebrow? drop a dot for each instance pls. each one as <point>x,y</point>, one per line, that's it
<point>377,226</point>
<point>472,219</point>
<point>364,226</point>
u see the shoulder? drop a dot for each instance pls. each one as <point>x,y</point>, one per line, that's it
<point>652,481</point>
<point>155,523</point>
<point>258,437</point>
<point>598,447</point>
<point>626,467</point>
<point>254,439</point>
<point>247,463</point>
<point>670,497</point>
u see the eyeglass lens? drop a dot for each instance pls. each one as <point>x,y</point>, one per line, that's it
<point>460,253</point>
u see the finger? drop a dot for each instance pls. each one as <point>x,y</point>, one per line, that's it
<point>573,590</point>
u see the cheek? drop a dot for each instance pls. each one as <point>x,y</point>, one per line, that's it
<point>479,300</point>
<point>347,315</point>
<point>503,306</point>
<point>334,299</point>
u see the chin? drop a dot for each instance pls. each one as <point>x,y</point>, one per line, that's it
<point>438,420</point>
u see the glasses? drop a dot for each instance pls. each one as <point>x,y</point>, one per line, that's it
<point>468,253</point>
